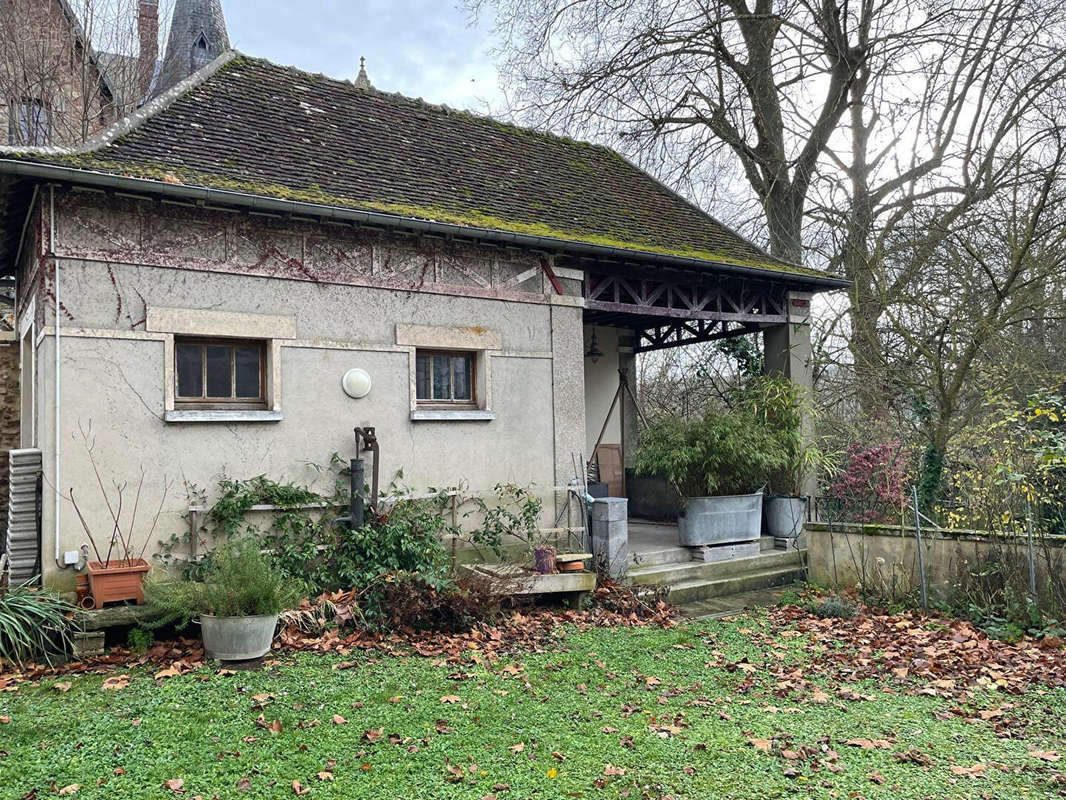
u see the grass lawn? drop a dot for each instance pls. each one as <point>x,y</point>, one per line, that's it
<point>641,712</point>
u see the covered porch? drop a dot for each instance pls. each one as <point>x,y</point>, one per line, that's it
<point>631,312</point>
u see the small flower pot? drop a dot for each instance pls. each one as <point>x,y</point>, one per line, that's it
<point>238,638</point>
<point>544,560</point>
<point>571,562</point>
<point>117,581</point>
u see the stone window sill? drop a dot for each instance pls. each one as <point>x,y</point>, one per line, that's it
<point>215,415</point>
<point>452,415</point>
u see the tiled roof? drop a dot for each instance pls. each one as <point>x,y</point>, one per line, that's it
<point>261,128</point>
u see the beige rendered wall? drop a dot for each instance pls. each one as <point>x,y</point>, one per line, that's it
<point>601,385</point>
<point>114,378</point>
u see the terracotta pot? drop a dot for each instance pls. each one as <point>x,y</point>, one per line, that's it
<point>82,589</point>
<point>119,581</point>
<point>570,566</point>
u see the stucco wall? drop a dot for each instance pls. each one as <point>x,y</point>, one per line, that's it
<point>117,261</point>
<point>842,556</point>
<point>601,385</point>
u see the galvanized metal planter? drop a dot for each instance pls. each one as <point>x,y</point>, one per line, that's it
<point>785,515</point>
<point>238,638</point>
<point>720,520</point>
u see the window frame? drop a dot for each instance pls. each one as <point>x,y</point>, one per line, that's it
<point>29,122</point>
<point>465,403</point>
<point>223,403</point>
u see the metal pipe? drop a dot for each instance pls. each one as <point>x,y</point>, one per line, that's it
<point>921,556</point>
<point>58,343</point>
<point>322,212</point>
<point>356,513</point>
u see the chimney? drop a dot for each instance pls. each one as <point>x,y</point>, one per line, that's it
<point>148,35</point>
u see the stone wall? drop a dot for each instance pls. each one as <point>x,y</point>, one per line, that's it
<point>886,557</point>
<point>9,413</point>
<point>55,70</point>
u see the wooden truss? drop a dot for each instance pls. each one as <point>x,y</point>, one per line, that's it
<point>672,313</point>
<point>677,334</point>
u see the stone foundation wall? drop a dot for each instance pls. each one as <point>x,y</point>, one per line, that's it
<point>9,413</point>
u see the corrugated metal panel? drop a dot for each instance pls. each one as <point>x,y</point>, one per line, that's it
<point>22,514</point>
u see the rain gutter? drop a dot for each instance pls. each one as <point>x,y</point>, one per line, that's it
<point>273,205</point>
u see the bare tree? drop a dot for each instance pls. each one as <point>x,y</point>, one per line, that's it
<point>67,69</point>
<point>932,137</point>
<point>689,83</point>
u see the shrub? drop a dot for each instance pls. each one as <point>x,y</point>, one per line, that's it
<point>410,601</point>
<point>735,451</point>
<point>833,608</point>
<point>34,623</point>
<point>870,486</point>
<point>239,581</point>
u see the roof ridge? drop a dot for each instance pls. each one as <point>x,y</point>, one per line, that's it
<point>133,121</point>
<point>443,107</point>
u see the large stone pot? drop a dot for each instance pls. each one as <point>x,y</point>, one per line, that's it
<point>720,520</point>
<point>785,515</point>
<point>238,638</point>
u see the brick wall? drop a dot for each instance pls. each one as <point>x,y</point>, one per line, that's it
<point>9,416</point>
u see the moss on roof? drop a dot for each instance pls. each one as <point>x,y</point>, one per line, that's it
<point>263,129</point>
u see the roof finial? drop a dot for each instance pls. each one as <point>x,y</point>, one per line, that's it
<point>361,80</point>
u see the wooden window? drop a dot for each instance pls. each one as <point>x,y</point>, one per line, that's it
<point>30,123</point>
<point>219,372</point>
<point>445,378</point>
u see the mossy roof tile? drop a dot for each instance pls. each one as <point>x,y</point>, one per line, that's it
<point>258,127</point>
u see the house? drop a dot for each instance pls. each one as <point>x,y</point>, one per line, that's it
<point>195,284</point>
<point>58,87</point>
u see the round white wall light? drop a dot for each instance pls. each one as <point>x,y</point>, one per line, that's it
<point>356,383</point>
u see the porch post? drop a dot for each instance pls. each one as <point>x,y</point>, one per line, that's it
<point>787,352</point>
<point>627,360</point>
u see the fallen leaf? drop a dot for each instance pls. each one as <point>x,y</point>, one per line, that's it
<point>610,769</point>
<point>297,789</point>
<point>175,785</point>
<point>761,744</point>
<point>339,720</point>
<point>69,790</point>
<point>1045,755</point>
<point>451,698</point>
<point>325,775</point>
<point>62,686</point>
<point>517,748</point>
<point>876,777</point>
<point>976,771</point>
<point>115,683</point>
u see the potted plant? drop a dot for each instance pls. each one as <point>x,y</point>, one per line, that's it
<point>719,463</point>
<point>785,504</point>
<point>237,603</point>
<point>117,574</point>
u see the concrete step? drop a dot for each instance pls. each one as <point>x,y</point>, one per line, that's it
<point>676,554</point>
<point>656,558</point>
<point>673,573</point>
<point>694,590</point>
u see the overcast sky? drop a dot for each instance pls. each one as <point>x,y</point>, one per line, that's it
<point>420,48</point>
